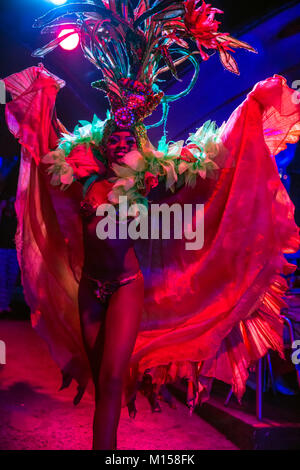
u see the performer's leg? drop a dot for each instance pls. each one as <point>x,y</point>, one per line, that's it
<point>92,319</point>
<point>149,390</point>
<point>132,411</point>
<point>121,327</point>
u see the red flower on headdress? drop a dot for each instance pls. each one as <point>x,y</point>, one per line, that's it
<point>201,24</point>
<point>187,155</point>
<point>151,181</point>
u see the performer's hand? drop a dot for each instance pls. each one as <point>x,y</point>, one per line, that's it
<point>83,162</point>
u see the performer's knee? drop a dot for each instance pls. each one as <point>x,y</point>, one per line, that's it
<point>109,385</point>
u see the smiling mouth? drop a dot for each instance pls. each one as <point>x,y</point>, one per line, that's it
<point>120,154</point>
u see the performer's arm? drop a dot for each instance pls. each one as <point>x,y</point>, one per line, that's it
<point>30,115</point>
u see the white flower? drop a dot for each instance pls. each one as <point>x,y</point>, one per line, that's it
<point>170,172</point>
<point>115,193</point>
<point>55,156</point>
<point>113,197</point>
<point>202,173</point>
<point>126,183</point>
<point>175,149</point>
<point>85,131</point>
<point>182,167</point>
<point>211,148</point>
<point>122,171</point>
<point>158,154</point>
<point>211,164</point>
<point>134,160</point>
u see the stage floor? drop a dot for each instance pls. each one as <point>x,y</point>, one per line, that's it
<point>34,415</point>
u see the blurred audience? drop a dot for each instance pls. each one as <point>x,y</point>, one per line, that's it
<point>9,268</point>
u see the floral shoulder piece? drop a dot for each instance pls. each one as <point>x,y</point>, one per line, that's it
<point>77,154</point>
<point>170,163</point>
<point>62,173</point>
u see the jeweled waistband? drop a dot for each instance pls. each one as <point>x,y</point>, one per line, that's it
<point>106,288</point>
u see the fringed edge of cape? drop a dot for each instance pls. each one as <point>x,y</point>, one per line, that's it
<point>246,343</point>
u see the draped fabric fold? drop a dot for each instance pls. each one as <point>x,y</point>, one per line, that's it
<point>48,238</point>
<point>208,312</point>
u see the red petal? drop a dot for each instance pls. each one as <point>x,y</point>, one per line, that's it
<point>228,61</point>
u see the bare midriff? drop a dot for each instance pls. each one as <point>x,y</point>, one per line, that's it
<point>109,259</point>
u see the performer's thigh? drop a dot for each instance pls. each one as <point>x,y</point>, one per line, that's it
<point>92,316</point>
<point>122,324</point>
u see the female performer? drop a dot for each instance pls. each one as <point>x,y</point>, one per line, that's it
<point>111,297</point>
<point>174,307</point>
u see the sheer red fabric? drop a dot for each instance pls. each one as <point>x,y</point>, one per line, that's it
<point>208,312</point>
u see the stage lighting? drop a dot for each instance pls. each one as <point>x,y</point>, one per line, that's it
<point>70,42</point>
<point>58,2</point>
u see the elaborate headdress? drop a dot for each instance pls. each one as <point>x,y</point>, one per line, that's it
<point>133,46</point>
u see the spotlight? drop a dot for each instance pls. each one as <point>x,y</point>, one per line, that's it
<point>70,42</point>
<point>58,2</point>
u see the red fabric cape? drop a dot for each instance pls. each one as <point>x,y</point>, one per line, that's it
<point>207,313</point>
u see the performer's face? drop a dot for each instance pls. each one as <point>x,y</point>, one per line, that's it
<point>120,143</point>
